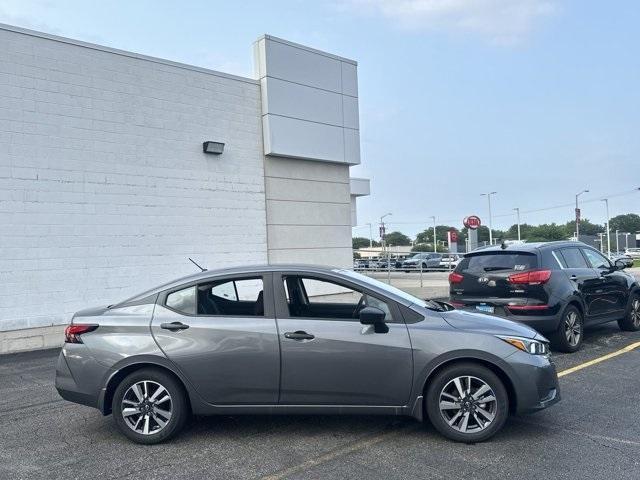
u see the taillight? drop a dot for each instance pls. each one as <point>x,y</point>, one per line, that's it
<point>533,277</point>
<point>455,277</point>
<point>72,332</point>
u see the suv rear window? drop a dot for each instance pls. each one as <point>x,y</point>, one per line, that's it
<point>496,261</point>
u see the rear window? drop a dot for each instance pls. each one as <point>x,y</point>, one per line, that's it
<point>496,261</point>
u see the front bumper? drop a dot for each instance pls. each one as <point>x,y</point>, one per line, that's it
<point>535,381</point>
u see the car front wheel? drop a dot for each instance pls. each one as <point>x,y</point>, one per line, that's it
<point>467,403</point>
<point>631,321</point>
<point>149,406</point>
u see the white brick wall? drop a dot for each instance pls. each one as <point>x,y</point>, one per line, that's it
<point>104,189</point>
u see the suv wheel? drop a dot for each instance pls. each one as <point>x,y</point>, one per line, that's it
<point>631,321</point>
<point>568,337</point>
<point>467,403</point>
<point>149,406</point>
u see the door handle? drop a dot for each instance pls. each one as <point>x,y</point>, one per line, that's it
<point>573,277</point>
<point>174,326</point>
<point>299,335</point>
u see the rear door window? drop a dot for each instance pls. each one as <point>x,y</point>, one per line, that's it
<point>499,261</point>
<point>573,258</point>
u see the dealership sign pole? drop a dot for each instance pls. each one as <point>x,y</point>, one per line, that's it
<point>472,222</point>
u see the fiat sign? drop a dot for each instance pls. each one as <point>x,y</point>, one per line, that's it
<point>472,222</point>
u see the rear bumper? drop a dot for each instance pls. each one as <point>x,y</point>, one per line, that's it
<point>69,388</point>
<point>543,321</point>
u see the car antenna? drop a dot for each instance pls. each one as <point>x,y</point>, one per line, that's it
<point>202,269</point>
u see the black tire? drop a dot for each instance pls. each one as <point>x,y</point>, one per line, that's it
<point>568,338</point>
<point>631,320</point>
<point>499,409</point>
<point>176,405</point>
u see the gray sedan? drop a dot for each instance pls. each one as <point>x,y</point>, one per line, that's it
<point>291,339</point>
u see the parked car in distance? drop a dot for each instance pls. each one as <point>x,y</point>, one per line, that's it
<point>557,288</point>
<point>449,261</point>
<point>632,252</point>
<point>294,339</point>
<point>625,259</point>
<point>422,261</point>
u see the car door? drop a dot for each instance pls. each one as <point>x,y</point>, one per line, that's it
<point>585,279</point>
<point>221,333</point>
<point>328,357</point>
<point>612,290</point>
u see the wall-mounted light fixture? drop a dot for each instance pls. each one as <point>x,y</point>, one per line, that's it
<point>213,147</point>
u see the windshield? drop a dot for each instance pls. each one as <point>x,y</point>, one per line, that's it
<point>495,261</point>
<point>393,290</point>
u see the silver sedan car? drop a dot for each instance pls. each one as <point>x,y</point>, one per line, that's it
<point>292,339</point>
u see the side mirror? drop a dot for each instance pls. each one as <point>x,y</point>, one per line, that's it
<point>620,264</point>
<point>371,316</point>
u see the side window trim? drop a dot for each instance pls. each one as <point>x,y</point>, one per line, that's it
<point>553,252</point>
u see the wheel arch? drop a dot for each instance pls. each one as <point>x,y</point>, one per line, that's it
<point>119,373</point>
<point>493,366</point>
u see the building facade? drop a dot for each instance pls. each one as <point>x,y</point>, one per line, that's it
<point>105,189</point>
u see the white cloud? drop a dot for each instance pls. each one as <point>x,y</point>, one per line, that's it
<point>499,21</point>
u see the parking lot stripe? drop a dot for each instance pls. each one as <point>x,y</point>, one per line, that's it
<point>626,349</point>
<point>352,447</point>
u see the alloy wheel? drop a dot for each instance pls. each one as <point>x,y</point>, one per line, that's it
<point>146,407</point>
<point>468,404</point>
<point>635,312</point>
<point>572,328</point>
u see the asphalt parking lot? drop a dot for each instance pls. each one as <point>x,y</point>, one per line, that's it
<point>593,433</point>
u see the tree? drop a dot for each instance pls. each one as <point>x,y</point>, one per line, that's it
<point>362,242</point>
<point>586,227</point>
<point>629,223</point>
<point>548,232</point>
<point>397,239</point>
<point>426,236</point>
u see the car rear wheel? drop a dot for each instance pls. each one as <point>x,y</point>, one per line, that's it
<point>631,321</point>
<point>568,337</point>
<point>149,406</point>
<point>467,403</point>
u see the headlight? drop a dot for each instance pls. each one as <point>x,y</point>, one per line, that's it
<point>529,345</point>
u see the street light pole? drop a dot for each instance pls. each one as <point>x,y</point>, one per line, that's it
<point>435,242</point>
<point>578,215</point>
<point>490,219</point>
<point>606,202</point>
<point>617,242</point>
<point>370,235</point>
<point>517,209</point>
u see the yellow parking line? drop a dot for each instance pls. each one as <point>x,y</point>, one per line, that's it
<point>626,349</point>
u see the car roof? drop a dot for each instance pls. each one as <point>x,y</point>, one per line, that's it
<point>243,270</point>
<point>532,247</point>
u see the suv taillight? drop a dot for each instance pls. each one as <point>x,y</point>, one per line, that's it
<point>72,332</point>
<point>455,277</point>
<point>533,277</point>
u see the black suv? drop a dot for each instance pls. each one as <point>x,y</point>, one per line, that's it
<point>555,287</point>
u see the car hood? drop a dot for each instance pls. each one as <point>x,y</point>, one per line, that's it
<point>479,322</point>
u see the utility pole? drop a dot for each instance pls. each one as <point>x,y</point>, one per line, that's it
<point>578,215</point>
<point>435,243</point>
<point>517,209</point>
<point>606,202</point>
<point>370,234</point>
<point>382,230</point>
<point>490,219</point>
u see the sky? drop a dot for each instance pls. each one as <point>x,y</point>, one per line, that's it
<point>536,100</point>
